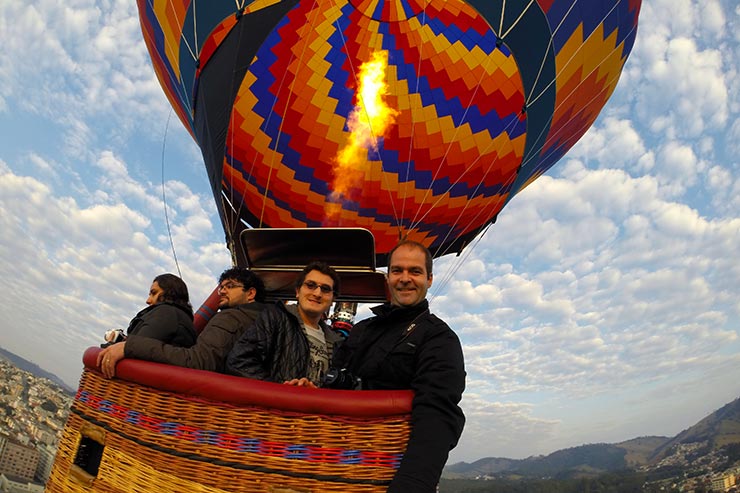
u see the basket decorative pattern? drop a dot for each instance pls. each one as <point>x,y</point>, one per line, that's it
<point>157,441</point>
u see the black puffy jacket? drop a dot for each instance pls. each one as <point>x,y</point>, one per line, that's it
<point>166,322</point>
<point>275,347</point>
<point>211,347</point>
<point>409,348</point>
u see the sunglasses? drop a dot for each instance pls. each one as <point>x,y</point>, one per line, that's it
<point>311,285</point>
<point>228,285</point>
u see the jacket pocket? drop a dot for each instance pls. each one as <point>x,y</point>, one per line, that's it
<point>400,363</point>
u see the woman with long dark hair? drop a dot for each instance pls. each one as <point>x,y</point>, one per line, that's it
<point>169,316</point>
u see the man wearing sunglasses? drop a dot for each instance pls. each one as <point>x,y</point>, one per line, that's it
<point>291,343</point>
<point>241,296</point>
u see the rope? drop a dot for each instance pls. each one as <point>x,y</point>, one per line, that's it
<point>164,196</point>
<point>291,90</point>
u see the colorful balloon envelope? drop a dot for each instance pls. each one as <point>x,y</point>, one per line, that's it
<point>415,119</point>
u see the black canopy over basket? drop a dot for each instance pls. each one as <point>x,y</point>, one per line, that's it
<point>277,255</point>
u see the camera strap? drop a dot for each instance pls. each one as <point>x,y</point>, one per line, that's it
<point>382,349</point>
<point>411,327</point>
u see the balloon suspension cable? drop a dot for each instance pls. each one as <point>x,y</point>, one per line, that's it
<point>404,195</point>
<point>195,31</point>
<point>164,196</point>
<point>583,126</point>
<point>291,89</point>
<point>531,100</point>
<point>419,216</point>
<point>180,26</point>
<point>495,205</point>
<point>456,264</point>
<point>230,223</point>
<point>229,220</point>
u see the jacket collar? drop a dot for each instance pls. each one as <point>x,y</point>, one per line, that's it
<point>157,305</point>
<point>387,310</point>
<point>292,310</point>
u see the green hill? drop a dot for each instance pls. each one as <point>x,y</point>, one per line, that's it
<point>583,461</point>
<point>718,430</point>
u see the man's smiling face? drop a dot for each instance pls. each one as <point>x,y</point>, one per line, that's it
<point>315,302</point>
<point>408,279</point>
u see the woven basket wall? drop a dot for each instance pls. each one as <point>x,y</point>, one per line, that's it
<point>155,441</point>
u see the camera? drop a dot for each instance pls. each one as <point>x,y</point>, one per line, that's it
<point>341,379</point>
<point>113,336</point>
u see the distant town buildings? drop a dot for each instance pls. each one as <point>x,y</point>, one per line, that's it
<point>18,460</point>
<point>10,486</point>
<point>33,411</point>
<point>725,482</point>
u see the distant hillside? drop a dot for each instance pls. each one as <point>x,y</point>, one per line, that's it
<point>484,467</point>
<point>716,431</point>
<point>583,461</point>
<point>34,369</point>
<point>720,428</point>
<point>640,450</point>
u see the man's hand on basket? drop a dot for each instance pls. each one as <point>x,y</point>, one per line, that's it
<point>301,382</point>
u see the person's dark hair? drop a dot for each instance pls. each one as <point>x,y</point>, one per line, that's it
<point>322,267</point>
<point>413,244</point>
<point>247,278</point>
<point>174,290</point>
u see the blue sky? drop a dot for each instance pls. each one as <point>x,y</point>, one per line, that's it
<point>603,305</point>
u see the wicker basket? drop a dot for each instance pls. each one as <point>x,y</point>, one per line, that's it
<point>158,428</point>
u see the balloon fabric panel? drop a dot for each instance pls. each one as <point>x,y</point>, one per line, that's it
<point>162,33</point>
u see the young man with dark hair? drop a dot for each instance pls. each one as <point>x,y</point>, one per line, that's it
<point>240,294</point>
<point>291,343</point>
<point>405,346</point>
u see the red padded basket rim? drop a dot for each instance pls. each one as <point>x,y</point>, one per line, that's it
<point>249,392</point>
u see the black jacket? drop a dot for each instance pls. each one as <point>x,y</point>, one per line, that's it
<point>275,347</point>
<point>211,347</point>
<point>409,348</point>
<point>166,322</point>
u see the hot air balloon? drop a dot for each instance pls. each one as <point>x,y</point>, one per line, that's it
<point>477,99</point>
<point>416,119</point>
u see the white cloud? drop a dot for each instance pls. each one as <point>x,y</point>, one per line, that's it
<point>677,167</point>
<point>75,61</point>
<point>613,144</point>
<point>100,258</point>
<point>640,288</point>
<point>681,88</point>
<point>713,19</point>
<point>523,433</point>
<point>733,140</point>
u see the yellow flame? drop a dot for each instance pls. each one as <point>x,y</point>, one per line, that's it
<point>368,123</point>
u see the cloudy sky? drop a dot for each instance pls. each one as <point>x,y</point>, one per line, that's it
<point>603,305</point>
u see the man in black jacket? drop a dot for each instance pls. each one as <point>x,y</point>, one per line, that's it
<point>291,344</point>
<point>405,346</point>
<point>241,295</point>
